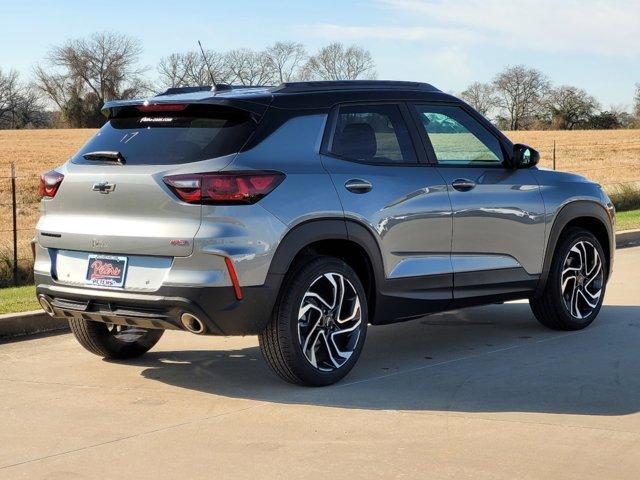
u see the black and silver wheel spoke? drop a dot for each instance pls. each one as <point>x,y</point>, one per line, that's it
<point>582,279</point>
<point>329,318</point>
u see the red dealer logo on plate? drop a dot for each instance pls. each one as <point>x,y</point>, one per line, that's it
<point>106,271</point>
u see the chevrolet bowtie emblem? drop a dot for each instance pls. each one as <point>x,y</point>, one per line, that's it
<point>103,187</point>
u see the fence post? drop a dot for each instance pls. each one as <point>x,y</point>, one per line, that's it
<point>15,224</point>
<point>554,154</point>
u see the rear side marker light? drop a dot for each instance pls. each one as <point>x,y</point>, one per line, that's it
<point>234,278</point>
<point>229,188</point>
<point>50,183</point>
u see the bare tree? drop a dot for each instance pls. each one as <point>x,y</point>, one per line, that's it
<point>20,104</point>
<point>481,96</point>
<point>92,70</point>
<point>570,107</point>
<point>191,69</point>
<point>520,92</point>
<point>172,72</point>
<point>336,62</point>
<point>281,62</point>
<point>249,67</point>
<point>285,60</point>
<point>8,94</point>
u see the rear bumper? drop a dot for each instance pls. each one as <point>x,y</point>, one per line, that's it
<point>216,307</point>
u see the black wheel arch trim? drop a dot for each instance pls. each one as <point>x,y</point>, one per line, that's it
<point>569,212</point>
<point>316,230</point>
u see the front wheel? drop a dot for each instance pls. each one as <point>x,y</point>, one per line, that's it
<point>113,341</point>
<point>574,291</point>
<point>319,324</point>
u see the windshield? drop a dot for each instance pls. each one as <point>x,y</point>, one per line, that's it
<point>167,138</point>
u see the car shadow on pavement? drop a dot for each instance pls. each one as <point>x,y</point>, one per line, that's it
<point>489,359</point>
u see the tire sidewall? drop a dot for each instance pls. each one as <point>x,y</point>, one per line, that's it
<point>556,281</point>
<point>121,350</point>
<point>288,319</point>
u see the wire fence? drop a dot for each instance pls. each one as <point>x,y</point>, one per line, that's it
<point>19,211</point>
<point>613,164</point>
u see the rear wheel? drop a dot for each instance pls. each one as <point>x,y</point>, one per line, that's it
<point>319,324</point>
<point>114,341</point>
<point>574,292</point>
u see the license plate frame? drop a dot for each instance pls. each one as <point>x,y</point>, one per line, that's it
<point>106,271</point>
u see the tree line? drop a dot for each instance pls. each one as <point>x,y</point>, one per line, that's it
<point>79,76</point>
<point>72,83</point>
<point>521,98</point>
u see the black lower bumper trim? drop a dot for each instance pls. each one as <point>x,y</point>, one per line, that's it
<point>216,307</point>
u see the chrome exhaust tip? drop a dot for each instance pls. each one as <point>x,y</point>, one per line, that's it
<point>192,323</point>
<point>46,305</point>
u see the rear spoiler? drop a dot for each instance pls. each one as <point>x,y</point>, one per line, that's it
<point>252,100</point>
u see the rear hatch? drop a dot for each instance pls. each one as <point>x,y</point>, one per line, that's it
<point>113,198</point>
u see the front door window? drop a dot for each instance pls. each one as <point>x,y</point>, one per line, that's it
<point>457,138</point>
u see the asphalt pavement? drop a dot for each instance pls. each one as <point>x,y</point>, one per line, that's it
<point>477,393</point>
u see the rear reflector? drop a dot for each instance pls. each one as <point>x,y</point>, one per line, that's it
<point>234,278</point>
<point>229,188</point>
<point>49,184</point>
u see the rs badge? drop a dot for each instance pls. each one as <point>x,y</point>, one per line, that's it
<point>178,242</point>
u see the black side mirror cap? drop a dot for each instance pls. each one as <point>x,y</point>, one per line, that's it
<point>524,156</point>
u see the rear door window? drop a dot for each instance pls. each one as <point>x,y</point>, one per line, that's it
<point>372,134</point>
<point>168,138</point>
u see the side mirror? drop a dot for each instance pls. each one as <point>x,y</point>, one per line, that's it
<point>524,156</point>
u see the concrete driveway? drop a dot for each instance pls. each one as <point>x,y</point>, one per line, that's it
<point>478,393</point>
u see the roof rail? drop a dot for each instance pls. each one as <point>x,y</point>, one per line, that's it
<point>315,86</point>
<point>179,90</point>
<point>218,87</point>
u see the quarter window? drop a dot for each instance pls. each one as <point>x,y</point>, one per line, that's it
<point>457,138</point>
<point>372,133</point>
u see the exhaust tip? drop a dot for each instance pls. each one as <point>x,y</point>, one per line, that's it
<point>192,323</point>
<point>46,305</point>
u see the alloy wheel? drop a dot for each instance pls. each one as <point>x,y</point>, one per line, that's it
<point>582,279</point>
<point>329,318</point>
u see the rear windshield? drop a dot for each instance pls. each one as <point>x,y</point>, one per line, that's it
<point>167,138</point>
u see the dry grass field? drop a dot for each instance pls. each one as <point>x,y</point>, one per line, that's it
<point>607,156</point>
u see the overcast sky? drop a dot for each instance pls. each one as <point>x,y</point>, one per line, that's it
<point>592,44</point>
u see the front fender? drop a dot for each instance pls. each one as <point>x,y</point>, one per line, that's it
<point>572,212</point>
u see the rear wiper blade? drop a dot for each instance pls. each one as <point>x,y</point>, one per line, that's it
<point>105,155</point>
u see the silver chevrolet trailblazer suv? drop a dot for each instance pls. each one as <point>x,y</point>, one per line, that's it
<point>302,214</point>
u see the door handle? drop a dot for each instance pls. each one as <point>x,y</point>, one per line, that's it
<point>355,185</point>
<point>463,185</point>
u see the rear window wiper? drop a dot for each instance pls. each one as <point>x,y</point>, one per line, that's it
<point>105,155</point>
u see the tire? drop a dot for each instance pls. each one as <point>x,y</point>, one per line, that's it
<point>555,308</point>
<point>298,334</point>
<point>111,341</point>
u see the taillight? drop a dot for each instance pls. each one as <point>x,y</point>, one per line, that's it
<point>49,183</point>
<point>226,188</point>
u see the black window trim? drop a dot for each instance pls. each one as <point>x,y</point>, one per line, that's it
<point>422,159</point>
<point>428,147</point>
